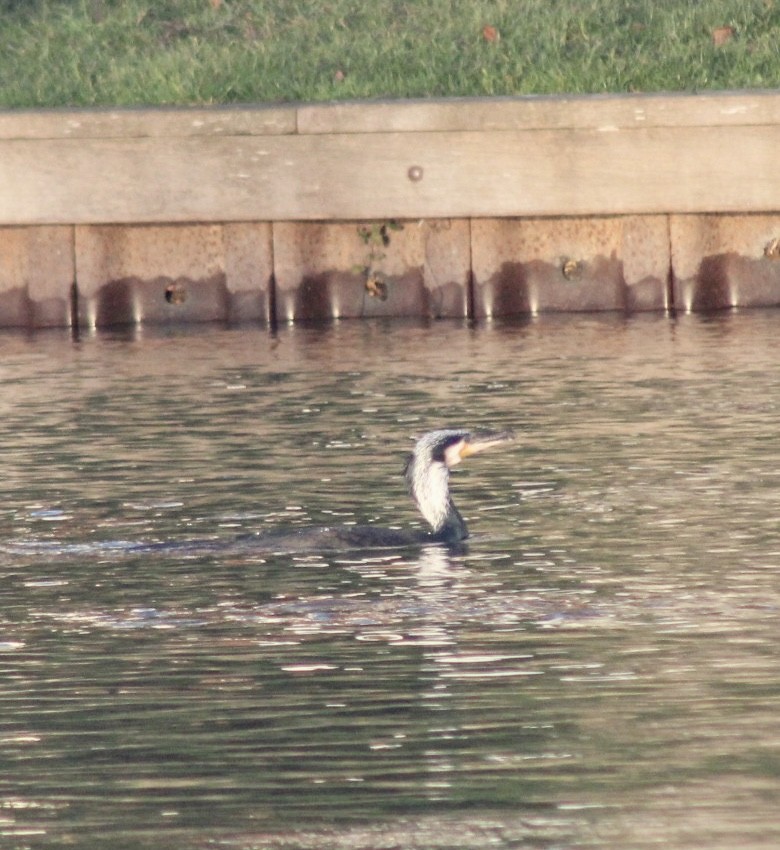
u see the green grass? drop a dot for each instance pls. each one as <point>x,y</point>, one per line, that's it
<point>128,52</point>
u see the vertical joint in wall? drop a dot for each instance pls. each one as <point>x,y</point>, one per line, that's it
<point>73,295</point>
<point>273,317</point>
<point>671,307</point>
<point>73,299</point>
<point>470,286</point>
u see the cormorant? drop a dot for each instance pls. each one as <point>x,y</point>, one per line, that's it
<point>427,474</point>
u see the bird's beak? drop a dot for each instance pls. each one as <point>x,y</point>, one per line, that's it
<point>478,442</point>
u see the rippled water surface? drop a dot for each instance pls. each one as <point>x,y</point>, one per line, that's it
<point>599,668</point>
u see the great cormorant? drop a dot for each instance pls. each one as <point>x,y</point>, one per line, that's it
<point>427,474</point>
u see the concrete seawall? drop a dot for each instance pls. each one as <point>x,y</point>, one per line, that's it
<point>457,208</point>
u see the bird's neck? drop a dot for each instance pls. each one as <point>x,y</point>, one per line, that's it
<point>431,491</point>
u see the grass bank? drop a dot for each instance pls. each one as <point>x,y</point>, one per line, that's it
<point>132,52</point>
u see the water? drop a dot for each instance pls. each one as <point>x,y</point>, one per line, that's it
<point>598,669</point>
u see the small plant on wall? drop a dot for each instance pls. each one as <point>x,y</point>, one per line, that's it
<point>376,237</point>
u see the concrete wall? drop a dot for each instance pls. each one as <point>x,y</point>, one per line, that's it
<point>451,208</point>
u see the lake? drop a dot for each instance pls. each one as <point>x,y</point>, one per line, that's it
<point>597,668</point>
